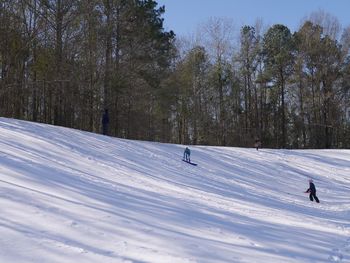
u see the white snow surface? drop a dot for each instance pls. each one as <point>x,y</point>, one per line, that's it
<point>73,196</point>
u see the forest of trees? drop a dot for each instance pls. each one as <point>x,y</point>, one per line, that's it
<point>63,62</point>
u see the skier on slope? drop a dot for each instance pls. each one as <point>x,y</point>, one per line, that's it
<point>257,143</point>
<point>187,154</point>
<point>312,191</point>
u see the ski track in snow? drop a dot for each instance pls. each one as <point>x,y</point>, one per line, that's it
<point>68,194</point>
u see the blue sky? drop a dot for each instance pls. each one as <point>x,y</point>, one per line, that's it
<point>184,16</point>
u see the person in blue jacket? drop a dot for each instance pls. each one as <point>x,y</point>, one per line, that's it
<point>312,191</point>
<point>187,154</point>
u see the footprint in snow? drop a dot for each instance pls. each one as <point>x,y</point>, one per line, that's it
<point>74,224</point>
<point>336,256</point>
<point>148,230</point>
<point>347,245</point>
<point>254,245</point>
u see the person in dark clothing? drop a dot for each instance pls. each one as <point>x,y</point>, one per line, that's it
<point>105,122</point>
<point>187,154</point>
<point>257,144</point>
<point>312,191</point>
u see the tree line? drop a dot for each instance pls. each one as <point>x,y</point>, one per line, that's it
<point>63,62</point>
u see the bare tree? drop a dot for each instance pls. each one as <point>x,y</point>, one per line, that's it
<point>329,23</point>
<point>218,38</point>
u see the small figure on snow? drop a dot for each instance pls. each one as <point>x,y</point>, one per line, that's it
<point>257,144</point>
<point>105,122</point>
<point>312,191</point>
<point>187,154</point>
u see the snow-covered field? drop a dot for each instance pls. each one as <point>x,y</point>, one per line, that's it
<point>72,196</point>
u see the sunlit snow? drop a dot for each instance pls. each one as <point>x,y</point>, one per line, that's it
<point>72,196</point>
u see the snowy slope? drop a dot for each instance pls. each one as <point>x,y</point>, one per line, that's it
<point>72,196</point>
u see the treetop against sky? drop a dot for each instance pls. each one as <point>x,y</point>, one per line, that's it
<point>184,16</point>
